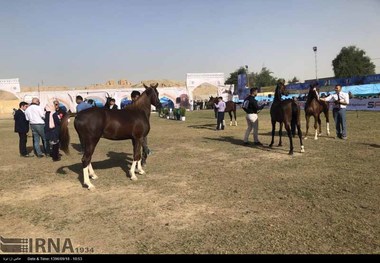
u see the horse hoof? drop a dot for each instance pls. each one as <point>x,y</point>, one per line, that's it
<point>302,149</point>
<point>305,138</point>
<point>315,138</point>
<point>94,177</point>
<point>134,178</point>
<point>291,153</point>
<point>141,172</point>
<point>91,188</point>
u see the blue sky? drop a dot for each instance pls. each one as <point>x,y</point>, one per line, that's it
<point>82,42</point>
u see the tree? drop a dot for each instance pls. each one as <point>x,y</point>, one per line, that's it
<point>294,80</point>
<point>264,78</point>
<point>352,61</point>
<point>233,79</point>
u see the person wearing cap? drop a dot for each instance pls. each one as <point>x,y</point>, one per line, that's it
<point>341,100</point>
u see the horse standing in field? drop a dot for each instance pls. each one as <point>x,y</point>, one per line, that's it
<point>230,108</point>
<point>286,112</point>
<point>129,123</point>
<point>314,107</point>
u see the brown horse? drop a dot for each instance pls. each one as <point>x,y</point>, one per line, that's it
<point>230,108</point>
<point>285,112</point>
<point>129,123</point>
<point>314,107</point>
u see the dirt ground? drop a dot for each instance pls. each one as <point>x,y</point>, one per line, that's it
<point>203,192</point>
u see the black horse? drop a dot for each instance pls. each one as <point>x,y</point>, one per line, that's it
<point>129,123</point>
<point>314,107</point>
<point>230,108</point>
<point>286,112</point>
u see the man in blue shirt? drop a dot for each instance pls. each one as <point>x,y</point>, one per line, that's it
<point>82,105</point>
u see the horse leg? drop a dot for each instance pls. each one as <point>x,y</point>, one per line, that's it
<point>273,132</point>
<point>289,131</point>
<point>307,125</point>
<point>319,124</point>
<point>229,113</point>
<point>315,127</point>
<point>234,111</point>
<point>145,151</point>
<point>327,122</point>
<point>92,172</point>
<point>300,137</point>
<point>136,159</point>
<point>280,134</point>
<point>89,147</point>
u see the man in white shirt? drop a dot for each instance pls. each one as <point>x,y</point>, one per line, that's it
<point>36,115</point>
<point>341,100</point>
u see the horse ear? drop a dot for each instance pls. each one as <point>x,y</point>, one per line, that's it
<point>145,86</point>
<point>154,86</point>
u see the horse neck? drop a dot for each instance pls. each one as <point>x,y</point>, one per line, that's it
<point>277,95</point>
<point>310,96</point>
<point>143,103</point>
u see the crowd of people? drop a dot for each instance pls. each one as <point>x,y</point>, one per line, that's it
<point>44,124</point>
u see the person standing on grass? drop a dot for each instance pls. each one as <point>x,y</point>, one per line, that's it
<point>52,127</point>
<point>35,115</point>
<point>220,106</point>
<point>341,100</point>
<point>22,128</point>
<point>252,109</point>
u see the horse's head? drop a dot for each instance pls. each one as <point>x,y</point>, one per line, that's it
<point>153,94</point>
<point>313,90</point>
<point>281,88</point>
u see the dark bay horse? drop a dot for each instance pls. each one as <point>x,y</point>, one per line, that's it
<point>314,107</point>
<point>285,112</point>
<point>230,108</point>
<point>129,123</point>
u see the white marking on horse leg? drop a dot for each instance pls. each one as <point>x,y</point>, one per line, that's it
<point>302,149</point>
<point>139,168</point>
<point>230,123</point>
<point>328,129</point>
<point>316,135</point>
<point>86,179</point>
<point>235,122</point>
<point>92,172</point>
<point>132,171</point>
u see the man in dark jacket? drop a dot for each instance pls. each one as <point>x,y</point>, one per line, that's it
<point>22,128</point>
<point>251,107</point>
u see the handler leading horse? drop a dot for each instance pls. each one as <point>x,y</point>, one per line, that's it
<point>130,123</point>
<point>230,108</point>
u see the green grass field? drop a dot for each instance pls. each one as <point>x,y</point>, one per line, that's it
<point>203,192</point>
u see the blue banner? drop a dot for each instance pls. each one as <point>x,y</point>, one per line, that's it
<point>242,83</point>
<point>357,80</point>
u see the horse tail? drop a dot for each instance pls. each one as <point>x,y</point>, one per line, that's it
<point>64,135</point>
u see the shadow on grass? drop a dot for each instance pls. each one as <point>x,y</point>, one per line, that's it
<point>203,126</point>
<point>239,142</point>
<point>77,147</point>
<point>374,145</point>
<point>115,159</point>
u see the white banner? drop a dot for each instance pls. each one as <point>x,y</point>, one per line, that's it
<point>358,104</point>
